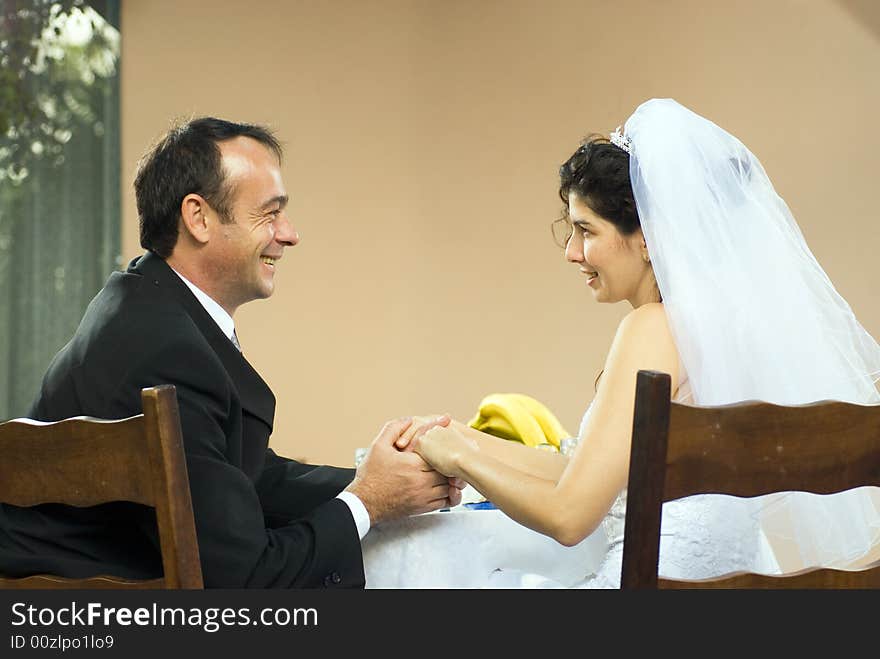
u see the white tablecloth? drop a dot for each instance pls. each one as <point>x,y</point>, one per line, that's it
<point>462,548</point>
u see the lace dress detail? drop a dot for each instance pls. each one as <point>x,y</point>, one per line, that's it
<point>690,532</point>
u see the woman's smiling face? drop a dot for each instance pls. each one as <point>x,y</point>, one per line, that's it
<point>617,267</point>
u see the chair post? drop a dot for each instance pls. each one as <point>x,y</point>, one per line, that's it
<point>641,544</point>
<point>177,533</point>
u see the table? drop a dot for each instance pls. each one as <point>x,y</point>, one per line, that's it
<point>463,548</point>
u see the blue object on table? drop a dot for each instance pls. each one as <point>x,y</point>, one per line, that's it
<point>475,505</point>
<point>481,505</point>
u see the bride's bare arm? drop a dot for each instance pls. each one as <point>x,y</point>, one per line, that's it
<point>571,507</point>
<point>542,464</point>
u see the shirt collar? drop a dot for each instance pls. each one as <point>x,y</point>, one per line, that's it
<point>218,313</point>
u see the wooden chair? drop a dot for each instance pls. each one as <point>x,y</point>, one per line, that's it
<point>744,449</point>
<point>84,461</point>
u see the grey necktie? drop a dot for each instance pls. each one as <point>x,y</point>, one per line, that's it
<point>235,341</point>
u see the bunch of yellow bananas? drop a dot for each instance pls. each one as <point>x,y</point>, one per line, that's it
<point>519,418</point>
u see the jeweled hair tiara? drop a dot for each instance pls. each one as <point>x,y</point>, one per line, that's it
<point>620,140</point>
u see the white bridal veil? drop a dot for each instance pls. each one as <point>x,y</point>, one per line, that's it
<point>753,314</point>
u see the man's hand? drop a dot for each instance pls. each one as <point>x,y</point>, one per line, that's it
<point>393,483</point>
<point>420,425</point>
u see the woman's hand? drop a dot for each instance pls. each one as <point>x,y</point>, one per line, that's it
<point>420,425</point>
<point>444,448</point>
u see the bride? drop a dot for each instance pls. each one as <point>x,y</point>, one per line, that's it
<point>677,218</point>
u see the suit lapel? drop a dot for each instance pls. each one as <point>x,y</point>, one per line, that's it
<point>256,396</point>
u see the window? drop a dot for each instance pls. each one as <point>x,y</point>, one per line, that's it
<point>59,179</point>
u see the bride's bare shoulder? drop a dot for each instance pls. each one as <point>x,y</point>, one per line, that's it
<point>644,341</point>
<point>648,318</point>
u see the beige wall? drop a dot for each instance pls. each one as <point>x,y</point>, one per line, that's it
<point>423,140</point>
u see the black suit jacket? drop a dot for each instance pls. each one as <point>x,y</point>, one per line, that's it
<point>262,520</point>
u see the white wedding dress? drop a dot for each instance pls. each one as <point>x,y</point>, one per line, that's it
<point>700,536</point>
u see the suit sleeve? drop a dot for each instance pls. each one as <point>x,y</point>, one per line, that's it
<point>319,549</point>
<point>289,489</point>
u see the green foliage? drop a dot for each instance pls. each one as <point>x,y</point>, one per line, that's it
<point>56,58</point>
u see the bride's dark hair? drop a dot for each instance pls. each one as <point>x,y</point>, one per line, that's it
<point>598,172</point>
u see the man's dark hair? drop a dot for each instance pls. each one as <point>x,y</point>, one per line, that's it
<point>186,161</point>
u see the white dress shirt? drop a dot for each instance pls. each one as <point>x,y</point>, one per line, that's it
<point>227,326</point>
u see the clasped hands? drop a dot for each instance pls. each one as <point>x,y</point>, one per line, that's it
<point>409,468</point>
<point>440,442</point>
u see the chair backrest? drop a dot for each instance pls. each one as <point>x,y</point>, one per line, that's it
<point>84,461</point>
<point>744,449</point>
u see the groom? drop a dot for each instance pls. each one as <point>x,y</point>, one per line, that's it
<point>211,205</point>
